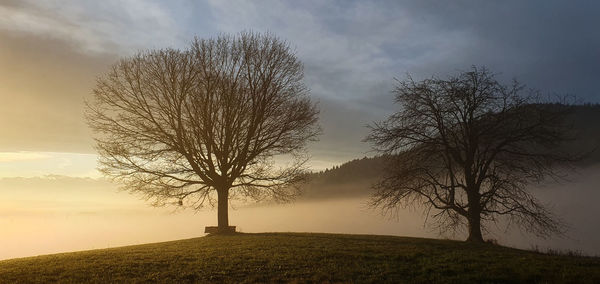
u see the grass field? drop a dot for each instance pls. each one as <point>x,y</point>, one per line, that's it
<point>303,257</point>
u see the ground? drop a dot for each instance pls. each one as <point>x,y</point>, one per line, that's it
<point>303,257</point>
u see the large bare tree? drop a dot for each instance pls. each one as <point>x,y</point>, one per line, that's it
<point>468,147</point>
<point>202,125</point>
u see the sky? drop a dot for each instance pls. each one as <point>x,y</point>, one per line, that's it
<point>51,53</point>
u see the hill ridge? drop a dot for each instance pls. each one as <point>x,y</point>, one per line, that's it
<point>304,257</point>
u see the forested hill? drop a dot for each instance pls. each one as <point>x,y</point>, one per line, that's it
<point>355,178</point>
<point>352,171</point>
<point>585,121</point>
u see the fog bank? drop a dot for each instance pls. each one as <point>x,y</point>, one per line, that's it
<point>59,214</point>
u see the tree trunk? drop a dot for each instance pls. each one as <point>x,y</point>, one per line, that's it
<point>475,228</point>
<point>474,218</point>
<point>223,209</point>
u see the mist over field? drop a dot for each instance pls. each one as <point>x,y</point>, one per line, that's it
<point>42,215</point>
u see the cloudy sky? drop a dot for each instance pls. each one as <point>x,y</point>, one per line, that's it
<point>52,51</point>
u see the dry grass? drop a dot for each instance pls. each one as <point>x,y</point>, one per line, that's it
<point>296,257</point>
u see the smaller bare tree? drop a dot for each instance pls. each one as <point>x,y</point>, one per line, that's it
<point>469,147</point>
<point>202,125</point>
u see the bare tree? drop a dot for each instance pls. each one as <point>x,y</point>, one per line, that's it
<point>467,147</point>
<point>183,126</point>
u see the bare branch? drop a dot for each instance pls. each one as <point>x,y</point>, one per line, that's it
<point>468,146</point>
<point>177,125</point>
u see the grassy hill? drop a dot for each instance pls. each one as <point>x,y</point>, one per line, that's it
<point>303,257</point>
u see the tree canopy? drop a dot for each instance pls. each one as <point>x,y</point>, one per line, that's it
<point>468,147</point>
<point>194,126</point>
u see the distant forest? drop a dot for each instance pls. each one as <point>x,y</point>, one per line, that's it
<point>354,178</point>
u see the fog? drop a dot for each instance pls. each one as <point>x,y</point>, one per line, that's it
<point>59,214</point>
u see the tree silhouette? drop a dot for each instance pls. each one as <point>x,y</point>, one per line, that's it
<point>183,126</point>
<point>468,147</point>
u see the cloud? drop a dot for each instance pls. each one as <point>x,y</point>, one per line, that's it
<point>337,60</point>
<point>94,26</point>
<point>549,45</point>
<point>21,156</point>
<point>44,84</point>
<point>352,44</point>
<point>30,164</point>
<point>52,51</point>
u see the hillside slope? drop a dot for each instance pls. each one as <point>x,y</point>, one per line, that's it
<point>303,257</point>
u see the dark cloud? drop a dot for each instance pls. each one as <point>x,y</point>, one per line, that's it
<point>549,45</point>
